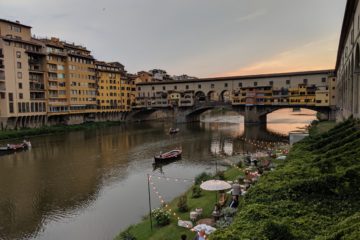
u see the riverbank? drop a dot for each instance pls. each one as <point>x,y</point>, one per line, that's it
<point>29,132</point>
<point>314,195</point>
<point>142,231</point>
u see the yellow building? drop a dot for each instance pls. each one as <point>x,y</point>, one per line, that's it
<point>70,78</point>
<point>109,79</point>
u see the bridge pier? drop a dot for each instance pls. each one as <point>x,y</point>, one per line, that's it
<point>254,116</point>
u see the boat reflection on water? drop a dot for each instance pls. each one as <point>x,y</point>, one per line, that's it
<point>159,166</point>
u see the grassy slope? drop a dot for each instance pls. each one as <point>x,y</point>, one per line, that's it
<point>314,195</point>
<point>142,230</point>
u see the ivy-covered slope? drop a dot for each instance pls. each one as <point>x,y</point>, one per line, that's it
<point>315,194</point>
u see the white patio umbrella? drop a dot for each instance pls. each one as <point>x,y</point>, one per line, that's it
<point>215,185</point>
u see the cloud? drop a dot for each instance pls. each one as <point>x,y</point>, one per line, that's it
<point>315,55</point>
<point>251,16</point>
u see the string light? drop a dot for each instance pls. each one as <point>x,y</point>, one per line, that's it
<point>167,207</point>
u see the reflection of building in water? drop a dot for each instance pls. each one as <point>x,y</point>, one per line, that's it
<point>215,147</point>
<point>221,146</point>
<point>228,147</point>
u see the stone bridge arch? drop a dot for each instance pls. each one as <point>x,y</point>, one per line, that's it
<point>225,96</point>
<point>263,111</point>
<point>200,96</point>
<point>212,96</point>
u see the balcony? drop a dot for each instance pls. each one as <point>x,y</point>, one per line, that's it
<point>53,87</point>
<point>35,68</point>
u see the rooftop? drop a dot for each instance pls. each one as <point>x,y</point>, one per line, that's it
<point>271,75</point>
<point>15,23</point>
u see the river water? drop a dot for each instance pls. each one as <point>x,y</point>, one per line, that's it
<point>92,184</point>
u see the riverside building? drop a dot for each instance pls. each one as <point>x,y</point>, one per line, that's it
<point>22,83</point>
<point>49,81</point>
<point>348,63</point>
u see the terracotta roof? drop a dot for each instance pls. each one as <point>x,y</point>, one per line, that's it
<point>271,75</point>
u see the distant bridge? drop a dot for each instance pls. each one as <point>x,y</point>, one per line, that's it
<point>251,96</point>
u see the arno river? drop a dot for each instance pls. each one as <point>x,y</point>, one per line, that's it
<point>92,184</point>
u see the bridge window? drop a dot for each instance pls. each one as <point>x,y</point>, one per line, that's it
<point>226,85</point>
<point>288,82</point>
<point>175,87</point>
<point>164,88</point>
<point>305,81</point>
<point>212,85</point>
<point>199,86</point>
<point>323,79</point>
<point>187,86</point>
<point>153,88</point>
<point>255,84</point>
<point>240,84</point>
<point>271,83</point>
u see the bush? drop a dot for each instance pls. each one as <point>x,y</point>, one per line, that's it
<point>196,192</point>
<point>220,175</point>
<point>223,223</point>
<point>161,216</point>
<point>240,164</point>
<point>228,211</point>
<point>182,204</point>
<point>126,235</point>
<point>277,231</point>
<point>202,177</point>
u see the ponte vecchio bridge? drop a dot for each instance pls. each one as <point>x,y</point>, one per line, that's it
<point>253,96</point>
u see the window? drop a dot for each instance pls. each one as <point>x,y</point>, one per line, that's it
<point>212,85</point>
<point>20,85</point>
<point>199,86</point>
<point>11,97</point>
<point>271,83</point>
<point>255,84</point>
<point>164,88</point>
<point>19,75</point>
<point>240,84</point>
<point>175,87</point>
<point>21,96</point>
<point>333,88</point>
<point>18,64</point>
<point>18,54</point>
<point>305,81</point>
<point>15,28</point>
<point>11,107</point>
<point>225,85</point>
<point>187,86</point>
<point>139,88</point>
<point>288,82</point>
<point>153,88</point>
<point>323,80</point>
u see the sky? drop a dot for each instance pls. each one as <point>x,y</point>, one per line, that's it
<point>202,38</point>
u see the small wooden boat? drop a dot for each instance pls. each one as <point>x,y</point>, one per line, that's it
<point>174,130</point>
<point>10,148</point>
<point>168,156</point>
